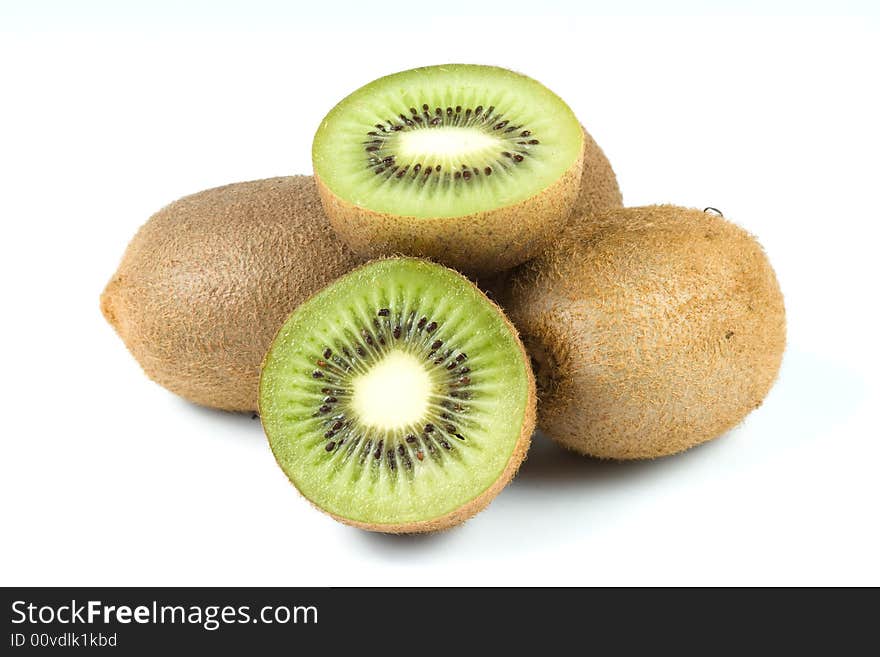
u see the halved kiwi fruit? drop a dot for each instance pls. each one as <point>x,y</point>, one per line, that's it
<point>399,398</point>
<point>652,330</point>
<point>207,281</point>
<point>475,166</point>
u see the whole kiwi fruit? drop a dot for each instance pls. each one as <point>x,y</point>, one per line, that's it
<point>208,280</point>
<point>652,330</point>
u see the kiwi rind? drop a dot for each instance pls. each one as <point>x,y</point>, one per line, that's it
<point>482,243</point>
<point>653,329</point>
<point>206,282</point>
<point>481,501</point>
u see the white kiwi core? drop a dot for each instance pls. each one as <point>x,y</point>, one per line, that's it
<point>393,394</point>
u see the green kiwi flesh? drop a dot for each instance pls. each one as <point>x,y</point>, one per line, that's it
<point>399,398</point>
<point>446,141</point>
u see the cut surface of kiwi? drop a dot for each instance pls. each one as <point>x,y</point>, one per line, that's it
<point>477,143</point>
<point>399,398</point>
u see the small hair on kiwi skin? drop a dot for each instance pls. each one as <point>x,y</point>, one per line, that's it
<point>207,281</point>
<point>652,330</point>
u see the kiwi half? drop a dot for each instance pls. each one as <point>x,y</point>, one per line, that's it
<point>207,281</point>
<point>475,166</point>
<point>652,330</point>
<point>399,398</point>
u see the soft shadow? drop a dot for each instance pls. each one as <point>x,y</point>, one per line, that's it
<point>248,422</point>
<point>561,496</point>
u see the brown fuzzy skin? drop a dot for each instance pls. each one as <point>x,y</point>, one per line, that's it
<point>466,511</point>
<point>654,329</point>
<point>598,192</point>
<point>481,243</point>
<point>599,189</point>
<point>207,281</point>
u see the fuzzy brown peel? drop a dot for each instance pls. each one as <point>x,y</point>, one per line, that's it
<point>481,243</point>
<point>664,328</point>
<point>207,281</point>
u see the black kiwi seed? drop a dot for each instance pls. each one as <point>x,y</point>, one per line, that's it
<point>396,332</point>
<point>430,328</point>
<point>327,353</point>
<point>460,357</point>
<point>330,446</point>
<point>429,428</point>
<point>436,344</point>
<point>317,374</point>
<point>421,323</point>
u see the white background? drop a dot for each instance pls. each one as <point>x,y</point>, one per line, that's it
<point>110,110</point>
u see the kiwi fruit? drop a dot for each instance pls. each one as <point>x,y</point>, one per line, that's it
<point>651,330</point>
<point>476,167</point>
<point>399,398</point>
<point>207,281</point>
